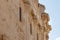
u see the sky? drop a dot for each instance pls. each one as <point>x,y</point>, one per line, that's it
<point>53,9</point>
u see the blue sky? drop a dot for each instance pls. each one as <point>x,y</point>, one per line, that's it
<point>53,9</point>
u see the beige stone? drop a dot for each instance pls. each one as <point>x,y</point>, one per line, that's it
<point>23,20</point>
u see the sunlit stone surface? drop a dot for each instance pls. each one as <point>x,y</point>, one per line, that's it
<point>23,20</point>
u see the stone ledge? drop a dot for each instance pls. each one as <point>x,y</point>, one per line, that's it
<point>41,6</point>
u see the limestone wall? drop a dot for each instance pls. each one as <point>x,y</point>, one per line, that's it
<point>23,20</point>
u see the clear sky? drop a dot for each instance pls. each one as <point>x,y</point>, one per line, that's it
<point>53,9</point>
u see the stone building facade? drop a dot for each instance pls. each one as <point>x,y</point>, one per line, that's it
<point>23,20</point>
